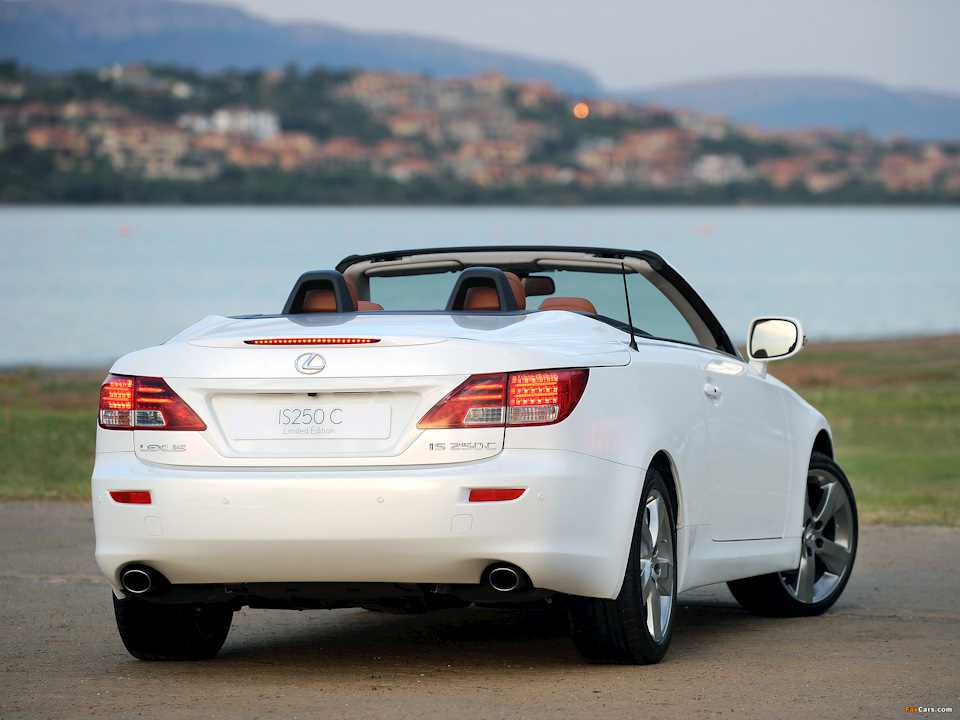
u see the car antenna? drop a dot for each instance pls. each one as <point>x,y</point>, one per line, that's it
<point>626,294</point>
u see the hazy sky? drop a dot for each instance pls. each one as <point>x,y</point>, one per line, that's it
<point>646,43</point>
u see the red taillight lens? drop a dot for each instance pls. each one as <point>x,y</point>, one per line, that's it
<point>478,402</point>
<point>527,398</point>
<point>118,395</point>
<point>543,398</point>
<point>144,403</point>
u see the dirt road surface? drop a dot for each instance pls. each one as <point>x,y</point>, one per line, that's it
<point>890,643</point>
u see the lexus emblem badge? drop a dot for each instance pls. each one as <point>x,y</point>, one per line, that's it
<point>310,363</point>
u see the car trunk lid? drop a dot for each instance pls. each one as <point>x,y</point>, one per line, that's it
<point>348,390</point>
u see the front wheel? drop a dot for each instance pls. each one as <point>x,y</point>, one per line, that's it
<point>828,549</point>
<point>152,631</point>
<point>636,627</point>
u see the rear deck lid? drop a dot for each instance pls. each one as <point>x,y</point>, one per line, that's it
<point>348,390</point>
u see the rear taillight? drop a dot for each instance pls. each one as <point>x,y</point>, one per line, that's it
<point>527,398</point>
<point>478,402</point>
<point>144,403</point>
<point>542,398</point>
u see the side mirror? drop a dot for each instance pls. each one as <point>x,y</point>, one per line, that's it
<point>773,338</point>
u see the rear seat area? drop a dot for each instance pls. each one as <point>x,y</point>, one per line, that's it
<point>476,299</point>
<point>486,298</point>
<point>323,300</point>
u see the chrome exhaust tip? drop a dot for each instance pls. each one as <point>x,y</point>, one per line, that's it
<point>504,578</point>
<point>136,580</point>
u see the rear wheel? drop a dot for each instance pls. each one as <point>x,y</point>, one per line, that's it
<point>151,631</point>
<point>829,547</point>
<point>636,627</point>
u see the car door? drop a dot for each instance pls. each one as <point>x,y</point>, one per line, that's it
<point>749,451</point>
<point>747,438</point>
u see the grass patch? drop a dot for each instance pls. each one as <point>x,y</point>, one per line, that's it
<point>47,434</point>
<point>894,407</point>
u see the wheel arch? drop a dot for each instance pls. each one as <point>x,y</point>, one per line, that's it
<point>823,444</point>
<point>812,435</point>
<point>663,463</point>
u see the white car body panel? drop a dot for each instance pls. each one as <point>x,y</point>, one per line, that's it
<point>402,524</point>
<point>395,508</point>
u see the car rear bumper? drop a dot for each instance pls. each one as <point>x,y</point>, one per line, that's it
<point>570,531</point>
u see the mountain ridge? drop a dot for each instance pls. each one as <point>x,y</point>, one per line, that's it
<point>63,35</point>
<point>803,101</point>
<point>59,35</point>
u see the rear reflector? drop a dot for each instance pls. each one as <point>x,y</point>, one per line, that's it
<point>131,497</point>
<point>144,403</point>
<point>526,398</point>
<point>313,341</point>
<point>495,494</point>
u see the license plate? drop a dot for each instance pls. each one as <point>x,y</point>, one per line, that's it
<point>310,422</point>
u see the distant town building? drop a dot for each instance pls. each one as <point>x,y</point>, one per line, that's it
<point>258,124</point>
<point>485,130</point>
<point>149,149</point>
<point>721,169</point>
<point>407,169</point>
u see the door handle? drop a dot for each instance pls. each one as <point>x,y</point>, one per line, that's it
<point>712,391</point>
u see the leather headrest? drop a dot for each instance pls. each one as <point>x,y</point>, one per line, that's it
<point>481,298</point>
<point>320,301</point>
<point>574,304</point>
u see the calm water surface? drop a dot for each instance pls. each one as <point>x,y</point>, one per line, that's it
<point>82,286</point>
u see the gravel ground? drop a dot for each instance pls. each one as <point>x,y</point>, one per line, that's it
<point>889,644</point>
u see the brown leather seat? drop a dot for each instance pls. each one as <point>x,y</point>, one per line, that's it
<point>360,305</point>
<point>517,288</point>
<point>317,301</point>
<point>486,298</point>
<point>481,298</point>
<point>573,304</point>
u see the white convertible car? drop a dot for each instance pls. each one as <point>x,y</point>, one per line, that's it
<point>494,425</point>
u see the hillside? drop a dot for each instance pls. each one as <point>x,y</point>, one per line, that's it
<point>139,133</point>
<point>793,103</point>
<point>64,35</point>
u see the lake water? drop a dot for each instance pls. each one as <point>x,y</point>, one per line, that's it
<point>82,286</point>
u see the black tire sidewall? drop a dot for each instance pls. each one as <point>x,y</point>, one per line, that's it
<point>615,630</point>
<point>631,594</point>
<point>153,631</point>
<point>818,461</point>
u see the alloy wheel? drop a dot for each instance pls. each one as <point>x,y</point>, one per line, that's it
<point>657,566</point>
<point>826,552</point>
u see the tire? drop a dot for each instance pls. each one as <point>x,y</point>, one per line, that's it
<point>827,552</point>
<point>151,631</point>
<point>636,627</point>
